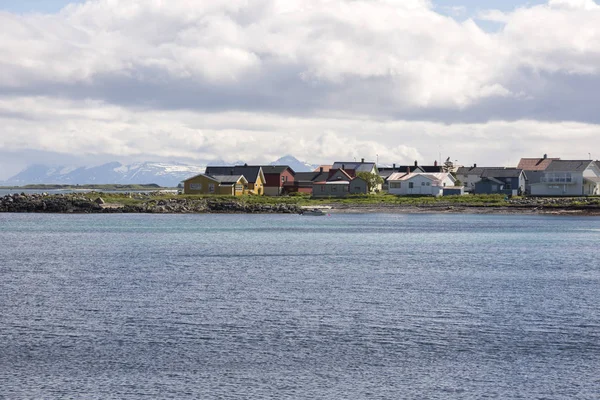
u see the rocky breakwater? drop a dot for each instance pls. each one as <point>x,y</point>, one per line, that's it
<point>48,203</point>
<point>94,203</point>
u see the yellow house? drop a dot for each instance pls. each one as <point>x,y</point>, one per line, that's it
<point>253,174</point>
<point>226,185</point>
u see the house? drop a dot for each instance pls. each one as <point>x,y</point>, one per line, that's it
<point>385,172</point>
<point>303,181</point>
<point>230,185</point>
<point>339,183</point>
<point>534,169</point>
<point>509,181</point>
<point>421,183</point>
<point>569,178</point>
<point>353,168</point>
<point>253,174</point>
<point>469,176</point>
<point>276,178</point>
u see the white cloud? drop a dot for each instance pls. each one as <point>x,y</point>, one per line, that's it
<point>102,130</point>
<point>206,79</point>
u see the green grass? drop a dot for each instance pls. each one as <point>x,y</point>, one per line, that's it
<point>304,200</point>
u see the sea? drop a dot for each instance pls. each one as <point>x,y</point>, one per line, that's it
<point>346,306</point>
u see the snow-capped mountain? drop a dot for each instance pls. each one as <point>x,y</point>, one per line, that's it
<point>163,174</point>
<point>295,164</point>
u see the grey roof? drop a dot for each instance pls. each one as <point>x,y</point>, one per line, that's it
<point>356,166</point>
<point>470,171</point>
<point>490,179</point>
<point>568,165</point>
<point>275,169</point>
<point>227,179</point>
<point>249,172</point>
<point>478,170</point>
<point>501,173</point>
<point>311,176</point>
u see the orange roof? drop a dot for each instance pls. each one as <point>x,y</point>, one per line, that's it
<point>326,168</point>
<point>535,164</point>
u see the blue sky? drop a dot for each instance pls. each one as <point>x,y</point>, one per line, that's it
<point>471,5</point>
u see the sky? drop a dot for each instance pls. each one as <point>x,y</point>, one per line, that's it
<point>82,83</point>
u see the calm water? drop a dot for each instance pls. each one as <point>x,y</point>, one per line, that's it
<point>291,307</point>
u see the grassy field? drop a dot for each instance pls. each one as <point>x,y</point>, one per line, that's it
<point>305,200</point>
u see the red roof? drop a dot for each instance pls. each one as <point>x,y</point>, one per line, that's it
<point>535,164</point>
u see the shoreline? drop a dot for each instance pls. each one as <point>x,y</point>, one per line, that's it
<point>491,210</point>
<point>94,203</point>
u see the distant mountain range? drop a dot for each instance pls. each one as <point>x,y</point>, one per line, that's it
<point>163,174</point>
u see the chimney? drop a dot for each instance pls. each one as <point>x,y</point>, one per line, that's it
<point>394,167</point>
<point>343,166</point>
<point>416,163</point>
<point>231,171</point>
<point>321,169</point>
<point>474,165</point>
<point>435,163</point>
<point>245,164</point>
<point>362,160</point>
<point>408,170</point>
<point>545,156</point>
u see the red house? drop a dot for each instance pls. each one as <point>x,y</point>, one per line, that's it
<point>276,177</point>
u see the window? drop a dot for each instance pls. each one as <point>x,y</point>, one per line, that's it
<point>196,186</point>
<point>508,186</point>
<point>422,183</point>
<point>428,183</point>
<point>283,179</point>
<point>211,187</point>
<point>346,189</point>
<point>357,189</point>
<point>411,185</point>
<point>334,188</point>
<point>322,188</point>
<point>395,185</point>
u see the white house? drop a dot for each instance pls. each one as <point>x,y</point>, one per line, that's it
<point>569,178</point>
<point>420,183</point>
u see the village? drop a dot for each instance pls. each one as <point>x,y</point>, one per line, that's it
<point>543,176</point>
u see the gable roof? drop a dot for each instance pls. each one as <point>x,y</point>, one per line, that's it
<point>333,172</point>
<point>569,165</point>
<point>229,179</point>
<point>396,176</point>
<point>489,179</point>
<point>501,173</point>
<point>432,168</point>
<point>275,169</point>
<point>432,176</point>
<point>212,178</point>
<point>535,164</point>
<point>311,176</point>
<point>251,173</point>
<point>470,171</point>
<point>356,166</point>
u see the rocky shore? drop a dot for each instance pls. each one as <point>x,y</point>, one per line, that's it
<point>76,203</point>
<point>154,203</point>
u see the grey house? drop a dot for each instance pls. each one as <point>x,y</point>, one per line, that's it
<point>509,181</point>
<point>339,184</point>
